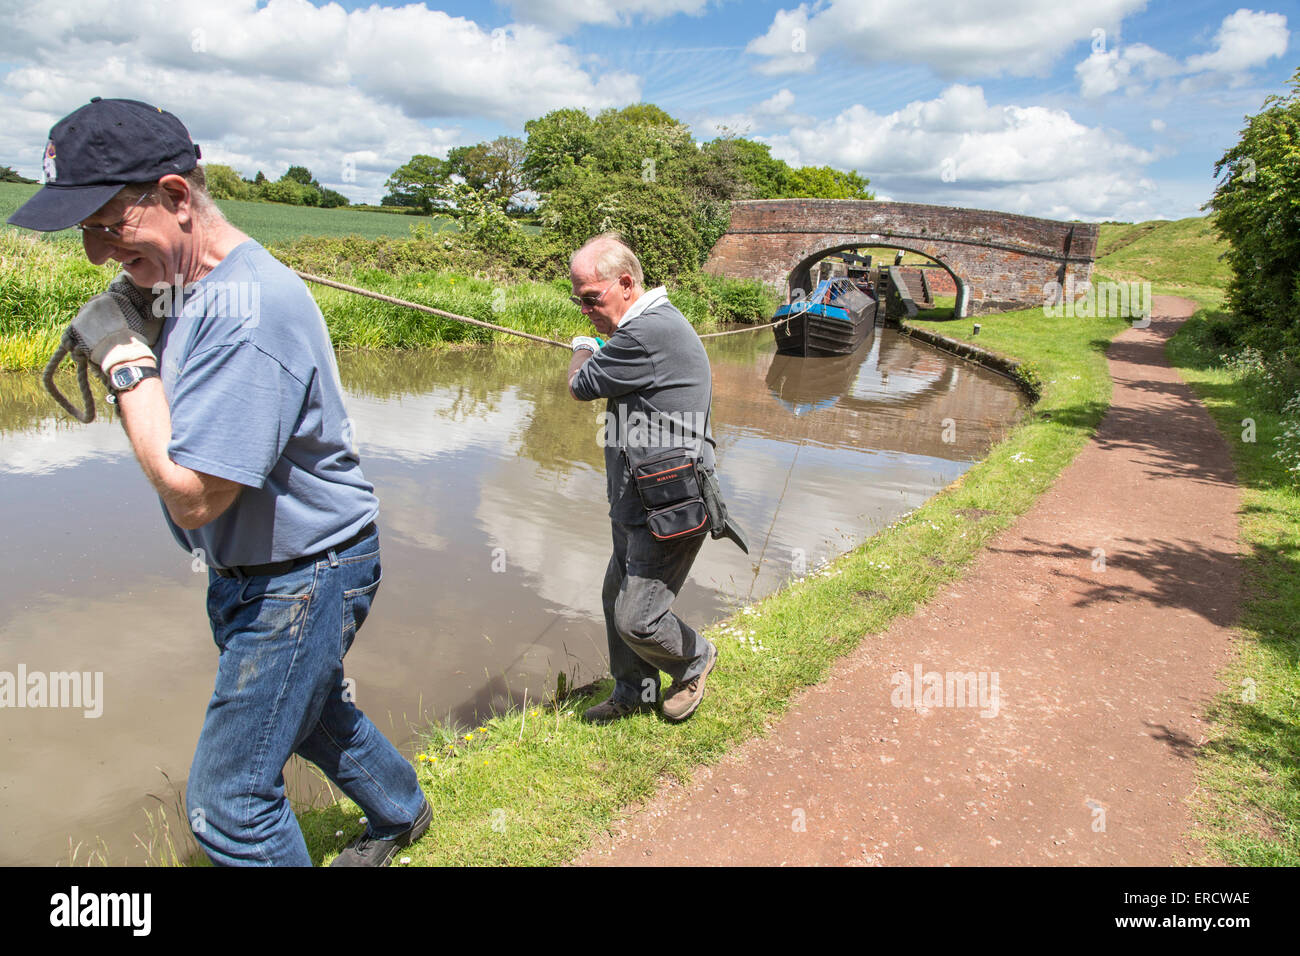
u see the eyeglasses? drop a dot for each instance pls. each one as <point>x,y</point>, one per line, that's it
<point>114,230</point>
<point>590,301</point>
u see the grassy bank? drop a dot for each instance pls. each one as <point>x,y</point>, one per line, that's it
<point>534,786</point>
<point>43,284</point>
<point>1249,773</point>
<point>1181,257</point>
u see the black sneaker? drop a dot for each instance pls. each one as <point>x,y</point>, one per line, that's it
<point>367,851</point>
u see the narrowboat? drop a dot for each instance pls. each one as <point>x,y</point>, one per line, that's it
<point>835,320</point>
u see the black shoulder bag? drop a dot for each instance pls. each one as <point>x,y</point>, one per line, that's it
<point>682,500</point>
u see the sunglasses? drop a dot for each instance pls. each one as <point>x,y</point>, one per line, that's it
<point>591,299</point>
<point>115,230</point>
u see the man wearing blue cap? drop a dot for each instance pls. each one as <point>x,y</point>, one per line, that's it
<point>239,424</point>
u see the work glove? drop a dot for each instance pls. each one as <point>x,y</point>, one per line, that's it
<point>586,342</point>
<point>116,326</point>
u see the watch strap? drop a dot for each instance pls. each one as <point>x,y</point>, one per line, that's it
<point>142,372</point>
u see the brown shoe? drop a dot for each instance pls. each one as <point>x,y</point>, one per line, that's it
<point>681,699</point>
<point>611,709</point>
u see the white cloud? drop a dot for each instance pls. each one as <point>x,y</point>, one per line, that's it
<point>960,150</point>
<point>770,113</point>
<point>566,14</point>
<point>288,82</point>
<point>974,38</point>
<point>1133,65</point>
<point>1245,39</point>
<point>778,104</point>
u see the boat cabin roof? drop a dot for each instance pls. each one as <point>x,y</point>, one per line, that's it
<point>843,292</point>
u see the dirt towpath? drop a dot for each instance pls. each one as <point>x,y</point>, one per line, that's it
<point>1086,755</point>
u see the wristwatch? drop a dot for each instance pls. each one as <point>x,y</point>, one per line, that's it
<point>127,377</point>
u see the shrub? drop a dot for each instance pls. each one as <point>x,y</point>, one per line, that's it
<point>1288,452</point>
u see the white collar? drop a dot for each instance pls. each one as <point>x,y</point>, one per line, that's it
<point>647,300</point>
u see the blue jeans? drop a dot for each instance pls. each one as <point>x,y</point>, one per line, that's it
<point>280,691</point>
<point>644,635</point>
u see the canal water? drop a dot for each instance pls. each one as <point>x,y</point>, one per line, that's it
<point>495,540</point>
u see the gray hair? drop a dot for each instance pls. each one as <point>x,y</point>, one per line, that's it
<point>611,257</point>
<point>204,207</point>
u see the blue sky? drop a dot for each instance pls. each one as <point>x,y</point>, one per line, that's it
<point>1111,109</point>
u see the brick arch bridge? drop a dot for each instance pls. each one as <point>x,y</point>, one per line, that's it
<point>1000,260</point>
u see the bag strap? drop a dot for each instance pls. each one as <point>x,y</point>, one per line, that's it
<point>704,436</point>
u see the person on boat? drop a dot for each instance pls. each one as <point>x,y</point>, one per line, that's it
<point>238,422</point>
<point>653,364</point>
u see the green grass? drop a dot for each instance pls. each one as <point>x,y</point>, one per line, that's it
<point>42,286</point>
<point>942,308</point>
<point>271,222</point>
<point>358,323</point>
<point>1249,773</point>
<point>535,787</point>
<point>1182,255</point>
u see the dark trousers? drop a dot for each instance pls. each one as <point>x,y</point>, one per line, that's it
<point>645,636</point>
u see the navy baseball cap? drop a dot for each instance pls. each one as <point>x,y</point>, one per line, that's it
<point>96,151</point>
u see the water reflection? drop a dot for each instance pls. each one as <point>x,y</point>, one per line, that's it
<point>495,537</point>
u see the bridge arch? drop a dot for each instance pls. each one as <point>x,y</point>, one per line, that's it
<point>800,277</point>
<point>1002,260</point>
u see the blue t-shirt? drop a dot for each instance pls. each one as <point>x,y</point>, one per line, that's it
<point>255,397</point>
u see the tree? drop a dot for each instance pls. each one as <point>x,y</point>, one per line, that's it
<point>482,217</point>
<point>557,143</point>
<point>659,220</point>
<point>10,175</point>
<point>823,182</point>
<point>640,140</point>
<point>749,165</point>
<point>224,182</point>
<point>1257,210</point>
<point>330,199</point>
<point>300,174</point>
<point>495,168</point>
<point>289,191</point>
<point>417,183</point>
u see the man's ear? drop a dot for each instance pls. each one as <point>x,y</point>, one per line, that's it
<point>180,197</point>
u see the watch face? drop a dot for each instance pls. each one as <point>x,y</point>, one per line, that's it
<point>123,377</point>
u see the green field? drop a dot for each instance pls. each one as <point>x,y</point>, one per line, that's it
<point>273,222</point>
<point>1182,256</point>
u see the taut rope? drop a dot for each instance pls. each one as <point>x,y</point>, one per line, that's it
<point>393,300</point>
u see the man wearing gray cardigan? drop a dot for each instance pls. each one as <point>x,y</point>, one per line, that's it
<point>655,375</point>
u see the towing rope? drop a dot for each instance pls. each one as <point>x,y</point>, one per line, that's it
<point>393,300</point>
<point>85,414</point>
